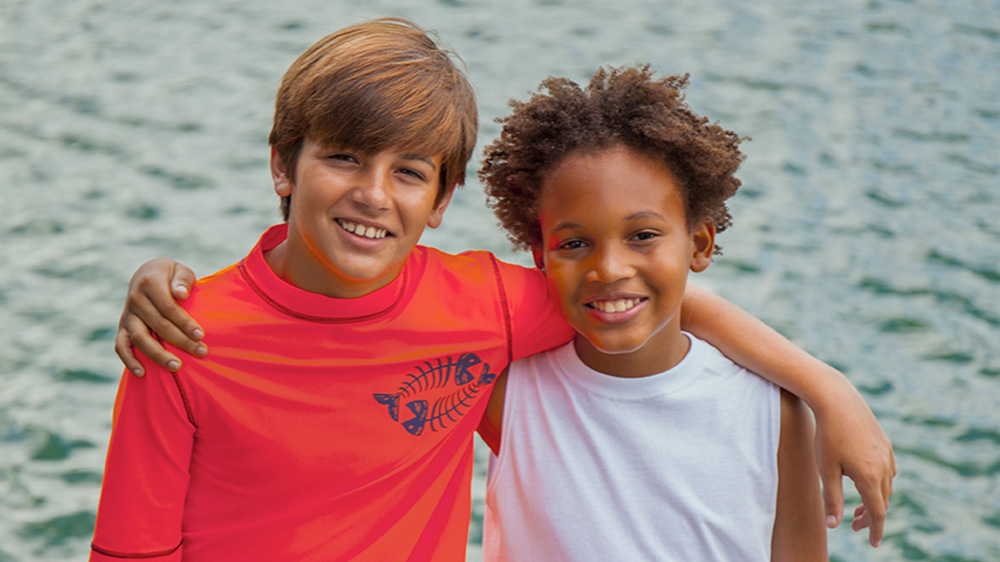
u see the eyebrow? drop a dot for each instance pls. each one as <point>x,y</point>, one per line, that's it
<point>419,158</point>
<point>645,215</point>
<point>565,225</point>
<point>407,156</point>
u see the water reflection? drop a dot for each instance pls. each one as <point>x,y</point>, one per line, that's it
<point>866,228</point>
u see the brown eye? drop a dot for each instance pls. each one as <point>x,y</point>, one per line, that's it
<point>340,157</point>
<point>413,173</point>
<point>645,236</point>
<point>571,245</point>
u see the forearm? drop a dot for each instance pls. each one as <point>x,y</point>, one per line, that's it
<point>849,439</point>
<point>146,475</point>
<point>761,349</point>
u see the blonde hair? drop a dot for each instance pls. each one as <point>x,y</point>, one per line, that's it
<point>375,85</point>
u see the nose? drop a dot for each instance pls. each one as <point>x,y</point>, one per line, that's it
<point>372,190</point>
<point>609,264</point>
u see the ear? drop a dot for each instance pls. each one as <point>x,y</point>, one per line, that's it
<point>539,256</point>
<point>702,246</point>
<point>437,215</point>
<point>279,173</point>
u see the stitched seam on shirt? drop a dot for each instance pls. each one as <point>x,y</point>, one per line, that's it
<point>317,319</point>
<point>184,398</point>
<point>134,555</point>
<point>505,307</point>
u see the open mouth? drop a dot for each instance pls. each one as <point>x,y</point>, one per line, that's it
<point>616,305</point>
<point>361,230</point>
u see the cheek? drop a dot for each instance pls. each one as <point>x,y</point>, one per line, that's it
<point>560,284</point>
<point>418,207</point>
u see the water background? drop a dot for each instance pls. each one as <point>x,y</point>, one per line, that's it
<point>866,230</point>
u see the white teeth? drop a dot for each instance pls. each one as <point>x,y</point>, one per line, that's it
<point>618,305</point>
<point>361,230</point>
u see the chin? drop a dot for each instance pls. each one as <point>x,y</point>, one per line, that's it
<point>615,347</point>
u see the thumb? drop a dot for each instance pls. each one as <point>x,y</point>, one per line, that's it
<point>833,496</point>
<point>181,281</point>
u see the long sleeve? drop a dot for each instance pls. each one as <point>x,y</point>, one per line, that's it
<point>147,471</point>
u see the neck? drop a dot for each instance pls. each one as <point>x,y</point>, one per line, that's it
<point>658,354</point>
<point>286,261</point>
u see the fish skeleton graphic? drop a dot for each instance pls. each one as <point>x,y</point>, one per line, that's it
<point>429,376</point>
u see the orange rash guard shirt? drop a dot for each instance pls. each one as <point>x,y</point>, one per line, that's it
<point>318,428</point>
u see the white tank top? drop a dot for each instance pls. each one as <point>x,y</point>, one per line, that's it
<point>678,466</point>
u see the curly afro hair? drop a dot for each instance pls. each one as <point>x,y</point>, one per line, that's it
<point>620,107</point>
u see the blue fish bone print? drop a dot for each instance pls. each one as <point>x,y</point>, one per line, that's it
<point>430,376</point>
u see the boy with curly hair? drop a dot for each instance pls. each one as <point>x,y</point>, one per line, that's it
<point>636,441</point>
<point>350,366</point>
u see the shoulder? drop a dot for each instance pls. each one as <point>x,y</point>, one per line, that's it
<point>478,266</point>
<point>218,290</point>
<point>554,359</point>
<point>472,258</point>
<point>442,263</point>
<point>715,361</point>
<point>721,373</point>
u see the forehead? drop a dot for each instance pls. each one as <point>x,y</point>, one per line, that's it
<point>373,138</point>
<point>406,152</point>
<point>609,185</point>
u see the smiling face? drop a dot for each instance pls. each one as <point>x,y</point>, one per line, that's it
<point>355,217</point>
<point>617,249</point>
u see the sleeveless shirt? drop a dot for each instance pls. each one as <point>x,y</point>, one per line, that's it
<point>680,466</point>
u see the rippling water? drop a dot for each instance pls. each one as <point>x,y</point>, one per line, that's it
<point>867,229</point>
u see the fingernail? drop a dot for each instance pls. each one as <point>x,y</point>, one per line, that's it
<point>181,290</point>
<point>831,521</point>
<point>201,351</point>
<point>138,372</point>
<point>173,365</point>
<point>197,334</point>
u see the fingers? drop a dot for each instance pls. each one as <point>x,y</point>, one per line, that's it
<point>875,507</point>
<point>872,513</point>
<point>173,324</point>
<point>151,306</point>
<point>887,480</point>
<point>181,283</point>
<point>137,335</point>
<point>151,299</point>
<point>123,347</point>
<point>861,518</point>
<point>833,496</point>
